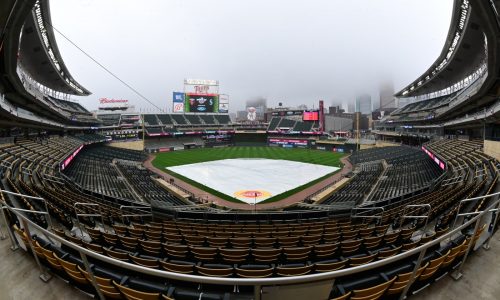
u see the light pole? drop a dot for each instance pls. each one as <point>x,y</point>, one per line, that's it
<point>484,127</point>
<point>255,202</point>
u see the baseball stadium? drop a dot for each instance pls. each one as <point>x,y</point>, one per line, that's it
<point>193,203</point>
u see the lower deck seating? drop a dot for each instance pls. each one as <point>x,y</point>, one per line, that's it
<point>93,169</point>
<point>405,175</point>
<point>385,281</point>
<point>231,249</point>
<point>141,180</point>
<point>98,175</point>
<point>359,186</point>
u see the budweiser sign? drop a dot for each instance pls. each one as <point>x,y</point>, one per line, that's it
<point>106,100</point>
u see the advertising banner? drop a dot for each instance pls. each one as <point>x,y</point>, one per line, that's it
<point>287,113</point>
<point>288,143</point>
<point>113,104</point>
<point>223,104</point>
<point>178,102</point>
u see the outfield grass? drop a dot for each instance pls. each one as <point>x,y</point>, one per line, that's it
<point>176,158</point>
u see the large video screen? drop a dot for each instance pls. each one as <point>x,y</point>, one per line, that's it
<point>201,103</point>
<point>310,116</point>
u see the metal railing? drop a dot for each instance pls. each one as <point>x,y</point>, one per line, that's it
<point>259,283</point>
<point>79,213</point>
<point>469,200</point>
<point>49,218</point>
<point>135,211</point>
<point>416,217</point>
<point>368,213</point>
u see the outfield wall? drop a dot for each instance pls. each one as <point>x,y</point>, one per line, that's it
<point>250,139</point>
<point>333,146</point>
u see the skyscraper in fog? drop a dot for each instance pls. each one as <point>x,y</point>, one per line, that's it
<point>387,99</point>
<point>351,107</point>
<point>364,104</point>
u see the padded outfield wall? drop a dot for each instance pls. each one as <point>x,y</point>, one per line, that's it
<point>250,139</point>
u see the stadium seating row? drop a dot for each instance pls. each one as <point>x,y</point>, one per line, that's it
<point>294,125</point>
<point>254,250</point>
<point>152,120</point>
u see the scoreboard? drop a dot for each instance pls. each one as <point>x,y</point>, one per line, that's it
<point>201,96</point>
<point>310,116</point>
<point>202,103</point>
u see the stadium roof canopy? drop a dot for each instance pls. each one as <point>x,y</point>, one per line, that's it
<point>463,52</point>
<point>31,66</point>
<point>39,55</point>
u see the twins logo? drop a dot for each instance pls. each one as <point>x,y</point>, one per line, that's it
<point>251,114</point>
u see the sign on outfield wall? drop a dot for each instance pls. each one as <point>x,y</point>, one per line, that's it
<point>288,143</point>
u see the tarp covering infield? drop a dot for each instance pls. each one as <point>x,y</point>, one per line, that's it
<point>252,179</point>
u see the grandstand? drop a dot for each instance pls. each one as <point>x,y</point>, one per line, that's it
<point>94,169</point>
<point>395,222</point>
<point>276,249</point>
<point>283,123</point>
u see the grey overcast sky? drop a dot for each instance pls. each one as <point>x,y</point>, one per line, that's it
<point>295,51</point>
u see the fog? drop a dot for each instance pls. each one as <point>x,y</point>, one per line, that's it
<point>294,52</point>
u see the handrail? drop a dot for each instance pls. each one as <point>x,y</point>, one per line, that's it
<point>78,215</point>
<point>137,208</point>
<point>454,180</point>
<point>429,209</point>
<point>471,200</point>
<point>367,209</point>
<point>258,282</point>
<point>13,241</point>
<point>49,218</point>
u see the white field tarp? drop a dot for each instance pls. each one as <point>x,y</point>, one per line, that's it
<point>252,179</point>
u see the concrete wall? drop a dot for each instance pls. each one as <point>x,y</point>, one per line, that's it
<point>333,123</point>
<point>492,148</point>
<point>135,145</point>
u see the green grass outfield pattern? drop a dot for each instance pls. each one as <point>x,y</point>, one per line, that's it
<point>177,158</point>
